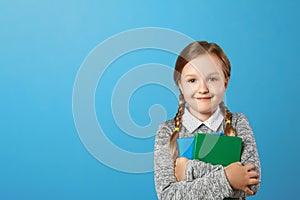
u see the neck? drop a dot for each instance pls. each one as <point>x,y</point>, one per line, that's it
<point>201,116</point>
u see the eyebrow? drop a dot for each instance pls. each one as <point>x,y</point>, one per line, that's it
<point>214,73</point>
<point>217,73</point>
<point>190,75</point>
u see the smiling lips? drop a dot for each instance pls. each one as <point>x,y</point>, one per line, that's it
<point>203,98</point>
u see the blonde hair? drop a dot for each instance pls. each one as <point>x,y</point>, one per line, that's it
<point>190,52</point>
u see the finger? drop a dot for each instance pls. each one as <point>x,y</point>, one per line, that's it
<point>248,191</point>
<point>249,166</point>
<point>176,175</point>
<point>253,174</point>
<point>253,181</point>
<point>238,163</point>
<point>180,178</point>
<point>176,161</point>
<point>182,158</point>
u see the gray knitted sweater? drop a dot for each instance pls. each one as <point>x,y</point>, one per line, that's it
<point>203,180</point>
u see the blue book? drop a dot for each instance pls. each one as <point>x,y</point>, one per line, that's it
<point>185,147</point>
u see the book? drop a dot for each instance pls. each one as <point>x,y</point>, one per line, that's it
<point>186,147</point>
<point>217,149</point>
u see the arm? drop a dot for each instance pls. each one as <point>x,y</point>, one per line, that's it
<point>197,169</point>
<point>213,185</point>
<point>249,151</point>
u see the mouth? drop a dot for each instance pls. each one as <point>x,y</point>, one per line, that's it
<point>204,98</point>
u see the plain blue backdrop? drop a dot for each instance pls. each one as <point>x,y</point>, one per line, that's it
<point>43,44</point>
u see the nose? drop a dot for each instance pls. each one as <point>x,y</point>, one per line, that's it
<point>202,88</point>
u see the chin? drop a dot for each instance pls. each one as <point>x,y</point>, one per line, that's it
<point>207,110</point>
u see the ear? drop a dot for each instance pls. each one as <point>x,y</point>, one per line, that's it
<point>226,83</point>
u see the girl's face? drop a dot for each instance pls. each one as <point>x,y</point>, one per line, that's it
<point>203,85</point>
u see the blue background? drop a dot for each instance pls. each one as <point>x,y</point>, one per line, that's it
<point>43,44</point>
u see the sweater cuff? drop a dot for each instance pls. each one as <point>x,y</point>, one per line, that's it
<point>226,188</point>
<point>189,171</point>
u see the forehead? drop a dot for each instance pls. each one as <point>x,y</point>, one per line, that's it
<point>203,65</point>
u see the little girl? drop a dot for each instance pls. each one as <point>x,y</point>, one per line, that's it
<point>202,72</point>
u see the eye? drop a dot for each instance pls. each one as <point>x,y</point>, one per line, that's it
<point>212,79</point>
<point>192,80</point>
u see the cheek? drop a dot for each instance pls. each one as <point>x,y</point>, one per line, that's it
<point>187,90</point>
<point>217,89</point>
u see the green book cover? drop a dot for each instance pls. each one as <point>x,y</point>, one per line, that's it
<point>217,149</point>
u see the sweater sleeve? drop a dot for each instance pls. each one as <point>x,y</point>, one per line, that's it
<point>213,185</point>
<point>249,151</point>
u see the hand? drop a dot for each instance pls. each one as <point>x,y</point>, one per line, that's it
<point>240,177</point>
<point>180,165</point>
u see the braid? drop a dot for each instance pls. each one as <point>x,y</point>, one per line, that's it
<point>229,130</point>
<point>174,136</point>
